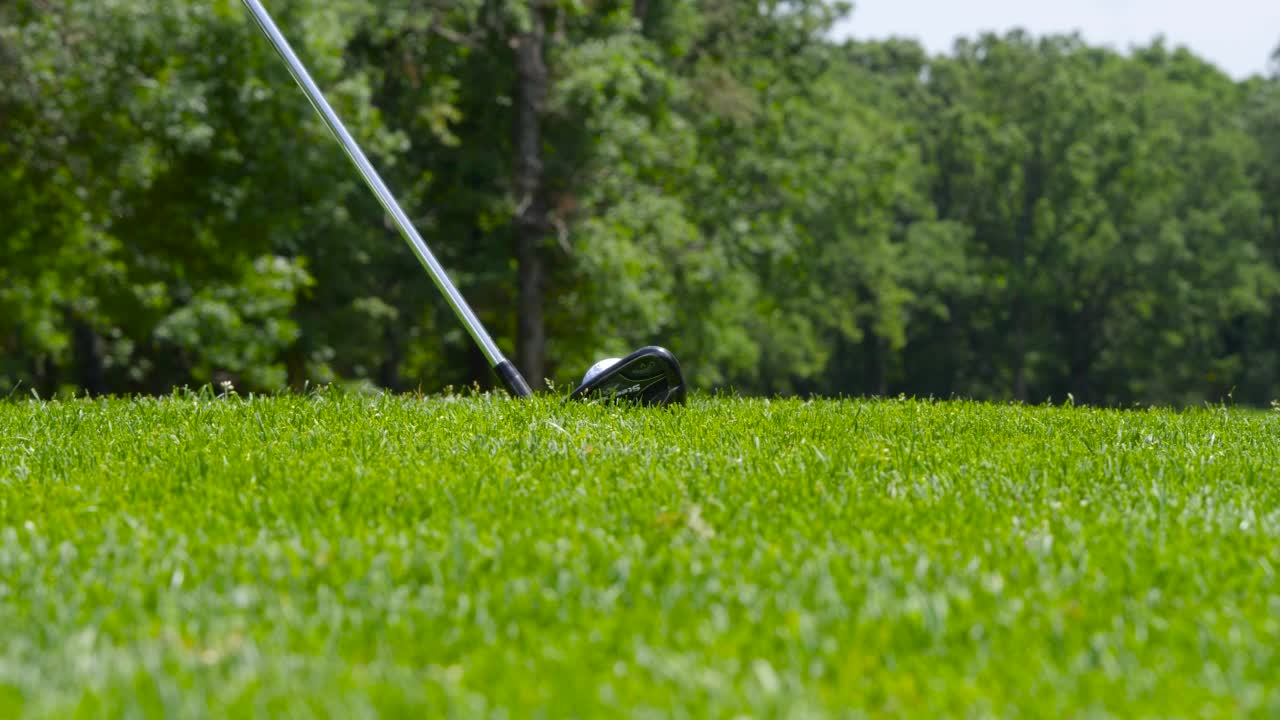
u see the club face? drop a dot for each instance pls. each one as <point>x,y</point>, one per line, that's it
<point>648,376</point>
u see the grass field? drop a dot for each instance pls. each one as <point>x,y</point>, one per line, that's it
<point>344,555</point>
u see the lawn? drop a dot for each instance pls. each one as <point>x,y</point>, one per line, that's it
<point>344,555</point>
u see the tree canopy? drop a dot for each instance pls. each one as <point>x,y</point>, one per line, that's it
<point>1029,218</point>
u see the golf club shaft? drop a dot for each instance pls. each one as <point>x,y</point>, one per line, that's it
<point>511,377</point>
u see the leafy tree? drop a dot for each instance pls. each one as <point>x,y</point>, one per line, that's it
<point>1111,212</point>
<point>161,238</point>
<point>1021,218</point>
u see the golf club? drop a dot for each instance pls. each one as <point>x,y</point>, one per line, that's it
<point>650,375</point>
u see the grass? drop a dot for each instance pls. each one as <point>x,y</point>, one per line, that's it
<point>345,555</point>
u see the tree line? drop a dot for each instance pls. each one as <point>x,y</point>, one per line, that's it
<point>1027,218</point>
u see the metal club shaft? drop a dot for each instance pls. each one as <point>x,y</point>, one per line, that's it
<point>505,370</point>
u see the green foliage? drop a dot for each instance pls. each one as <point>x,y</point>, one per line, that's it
<point>244,324</point>
<point>1111,209</point>
<point>162,157</point>
<point>1021,218</point>
<point>354,555</point>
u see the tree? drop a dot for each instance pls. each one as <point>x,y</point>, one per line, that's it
<point>1021,218</point>
<point>161,170</point>
<point>1110,211</point>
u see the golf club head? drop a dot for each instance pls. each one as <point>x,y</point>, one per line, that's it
<point>648,376</point>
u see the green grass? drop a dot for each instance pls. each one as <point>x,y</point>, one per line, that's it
<point>345,555</point>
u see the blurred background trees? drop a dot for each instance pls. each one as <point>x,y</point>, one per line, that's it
<point>1024,218</point>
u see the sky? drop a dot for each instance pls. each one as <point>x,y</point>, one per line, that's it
<point>1236,35</point>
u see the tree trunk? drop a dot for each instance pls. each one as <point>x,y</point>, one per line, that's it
<point>1020,356</point>
<point>531,221</point>
<point>389,368</point>
<point>478,367</point>
<point>877,370</point>
<point>1081,355</point>
<point>90,373</point>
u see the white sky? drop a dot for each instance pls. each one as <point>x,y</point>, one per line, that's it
<point>1236,35</point>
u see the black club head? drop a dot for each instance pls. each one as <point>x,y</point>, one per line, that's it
<point>648,376</point>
